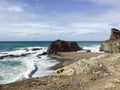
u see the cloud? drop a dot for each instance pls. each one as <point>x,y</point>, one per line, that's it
<point>16,9</point>
<point>40,25</point>
<point>90,25</point>
<point>29,25</point>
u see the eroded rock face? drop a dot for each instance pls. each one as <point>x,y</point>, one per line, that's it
<point>62,46</point>
<point>113,44</point>
<point>115,34</point>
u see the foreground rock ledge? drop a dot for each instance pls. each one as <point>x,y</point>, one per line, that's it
<point>62,46</point>
<point>113,44</point>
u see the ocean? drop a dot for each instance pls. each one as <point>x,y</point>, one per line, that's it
<point>12,69</point>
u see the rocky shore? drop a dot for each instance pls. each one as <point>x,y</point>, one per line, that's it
<point>98,72</point>
<point>65,58</point>
<point>78,70</point>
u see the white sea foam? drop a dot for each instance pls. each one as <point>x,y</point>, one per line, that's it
<point>92,48</point>
<point>10,73</point>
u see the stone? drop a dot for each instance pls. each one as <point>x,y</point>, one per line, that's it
<point>44,53</point>
<point>88,50</point>
<point>36,49</point>
<point>39,55</point>
<point>62,46</point>
<point>14,56</point>
<point>112,45</point>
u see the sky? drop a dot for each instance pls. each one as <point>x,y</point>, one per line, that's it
<point>46,20</point>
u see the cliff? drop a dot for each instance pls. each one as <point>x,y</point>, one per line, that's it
<point>112,45</point>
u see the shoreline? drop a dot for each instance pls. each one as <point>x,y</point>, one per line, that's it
<point>51,81</point>
<point>63,59</point>
<point>66,58</point>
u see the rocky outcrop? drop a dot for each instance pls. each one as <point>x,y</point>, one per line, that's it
<point>115,34</point>
<point>86,66</point>
<point>62,46</point>
<point>36,49</point>
<point>39,55</point>
<point>113,44</point>
<point>14,56</point>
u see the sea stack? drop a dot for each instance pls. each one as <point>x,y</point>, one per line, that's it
<point>62,46</point>
<point>112,45</point>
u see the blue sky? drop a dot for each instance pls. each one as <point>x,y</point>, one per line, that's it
<point>39,20</point>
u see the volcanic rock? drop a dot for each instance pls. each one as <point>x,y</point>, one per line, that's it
<point>36,49</point>
<point>14,56</point>
<point>62,46</point>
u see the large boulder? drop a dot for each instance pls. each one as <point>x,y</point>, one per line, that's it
<point>113,44</point>
<point>62,46</point>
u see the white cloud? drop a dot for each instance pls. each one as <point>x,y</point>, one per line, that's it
<point>40,25</point>
<point>68,26</point>
<point>15,9</point>
<point>90,25</point>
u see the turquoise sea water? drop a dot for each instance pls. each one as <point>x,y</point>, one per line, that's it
<point>12,69</point>
<point>12,45</point>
